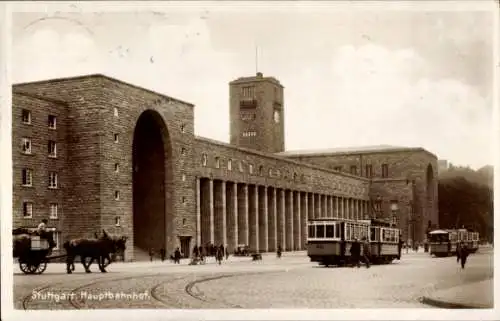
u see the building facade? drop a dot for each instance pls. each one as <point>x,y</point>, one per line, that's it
<point>93,152</point>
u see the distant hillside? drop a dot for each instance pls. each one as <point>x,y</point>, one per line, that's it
<point>483,176</point>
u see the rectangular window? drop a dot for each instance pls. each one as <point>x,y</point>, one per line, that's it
<point>52,180</point>
<point>52,148</point>
<point>354,170</point>
<point>338,168</point>
<point>26,116</point>
<point>250,168</point>
<point>320,231</point>
<point>204,159</point>
<point>385,170</point>
<point>247,116</point>
<point>26,145</point>
<point>249,134</point>
<point>27,210</point>
<point>56,236</point>
<point>240,165</point>
<point>27,177</point>
<point>217,162</point>
<point>248,92</point>
<point>312,231</point>
<point>52,122</point>
<point>53,211</point>
<point>229,165</point>
<point>330,231</point>
<point>368,170</point>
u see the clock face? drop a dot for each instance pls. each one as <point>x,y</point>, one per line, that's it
<point>276,116</point>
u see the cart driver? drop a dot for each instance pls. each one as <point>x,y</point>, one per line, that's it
<point>42,232</point>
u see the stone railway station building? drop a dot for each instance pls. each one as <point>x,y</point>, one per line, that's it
<point>93,152</point>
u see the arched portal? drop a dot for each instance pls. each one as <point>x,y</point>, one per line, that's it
<point>430,203</point>
<point>151,172</point>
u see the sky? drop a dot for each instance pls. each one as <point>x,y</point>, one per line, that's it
<point>352,77</point>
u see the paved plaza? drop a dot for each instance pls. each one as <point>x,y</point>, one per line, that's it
<point>289,282</point>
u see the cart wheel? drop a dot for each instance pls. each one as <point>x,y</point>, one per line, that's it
<point>25,267</point>
<point>41,267</point>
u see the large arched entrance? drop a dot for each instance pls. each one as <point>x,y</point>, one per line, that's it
<point>151,171</point>
<point>429,196</point>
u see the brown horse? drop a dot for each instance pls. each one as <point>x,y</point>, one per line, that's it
<point>95,249</point>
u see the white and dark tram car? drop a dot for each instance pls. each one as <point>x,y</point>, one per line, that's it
<point>329,240</point>
<point>444,242</point>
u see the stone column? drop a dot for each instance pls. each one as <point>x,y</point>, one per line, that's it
<point>304,211</point>
<point>263,219</point>
<point>283,220</point>
<point>253,210</point>
<point>289,210</point>
<point>198,212</point>
<point>296,221</point>
<point>313,205</point>
<point>324,208</point>
<point>212,230</point>
<point>243,214</point>
<point>273,226</point>
<point>317,203</point>
<point>232,216</point>
<point>220,213</point>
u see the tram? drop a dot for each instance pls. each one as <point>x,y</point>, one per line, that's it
<point>329,240</point>
<point>444,242</point>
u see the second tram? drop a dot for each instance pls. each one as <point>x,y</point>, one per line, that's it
<point>329,240</point>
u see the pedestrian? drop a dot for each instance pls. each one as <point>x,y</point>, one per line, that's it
<point>459,249</point>
<point>227,253</point>
<point>278,252</point>
<point>355,253</point>
<point>464,253</point>
<point>151,253</point>
<point>366,252</point>
<point>162,254</point>
<point>177,256</point>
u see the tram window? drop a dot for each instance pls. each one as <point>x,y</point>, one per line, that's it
<point>320,231</point>
<point>330,231</point>
<point>337,230</point>
<point>312,231</point>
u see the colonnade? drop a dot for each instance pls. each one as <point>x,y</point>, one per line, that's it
<point>264,217</point>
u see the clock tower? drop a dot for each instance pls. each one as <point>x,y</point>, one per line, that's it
<point>256,113</point>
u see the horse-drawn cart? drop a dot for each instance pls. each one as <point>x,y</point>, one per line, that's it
<point>32,253</point>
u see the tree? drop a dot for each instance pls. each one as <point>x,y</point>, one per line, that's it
<point>463,203</point>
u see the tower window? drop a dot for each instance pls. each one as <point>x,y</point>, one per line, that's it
<point>261,170</point>
<point>249,134</point>
<point>368,170</point>
<point>248,116</point>
<point>26,116</point>
<point>115,112</point>
<point>117,221</point>
<point>26,145</point>
<point>117,167</point>
<point>27,177</point>
<point>27,209</point>
<point>248,92</point>
<point>116,138</point>
<point>183,128</point>
<point>183,151</point>
<point>117,195</point>
<point>52,122</point>
<point>52,149</point>
<point>52,180</point>
<point>53,211</point>
<point>183,177</point>
<point>385,171</point>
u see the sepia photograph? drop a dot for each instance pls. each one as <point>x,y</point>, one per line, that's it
<point>249,160</point>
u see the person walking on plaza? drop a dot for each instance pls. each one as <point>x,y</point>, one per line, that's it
<point>355,252</point>
<point>366,252</point>
<point>464,253</point>
<point>278,252</point>
<point>163,254</point>
<point>177,256</point>
<point>151,254</point>
<point>459,249</point>
<point>227,253</point>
